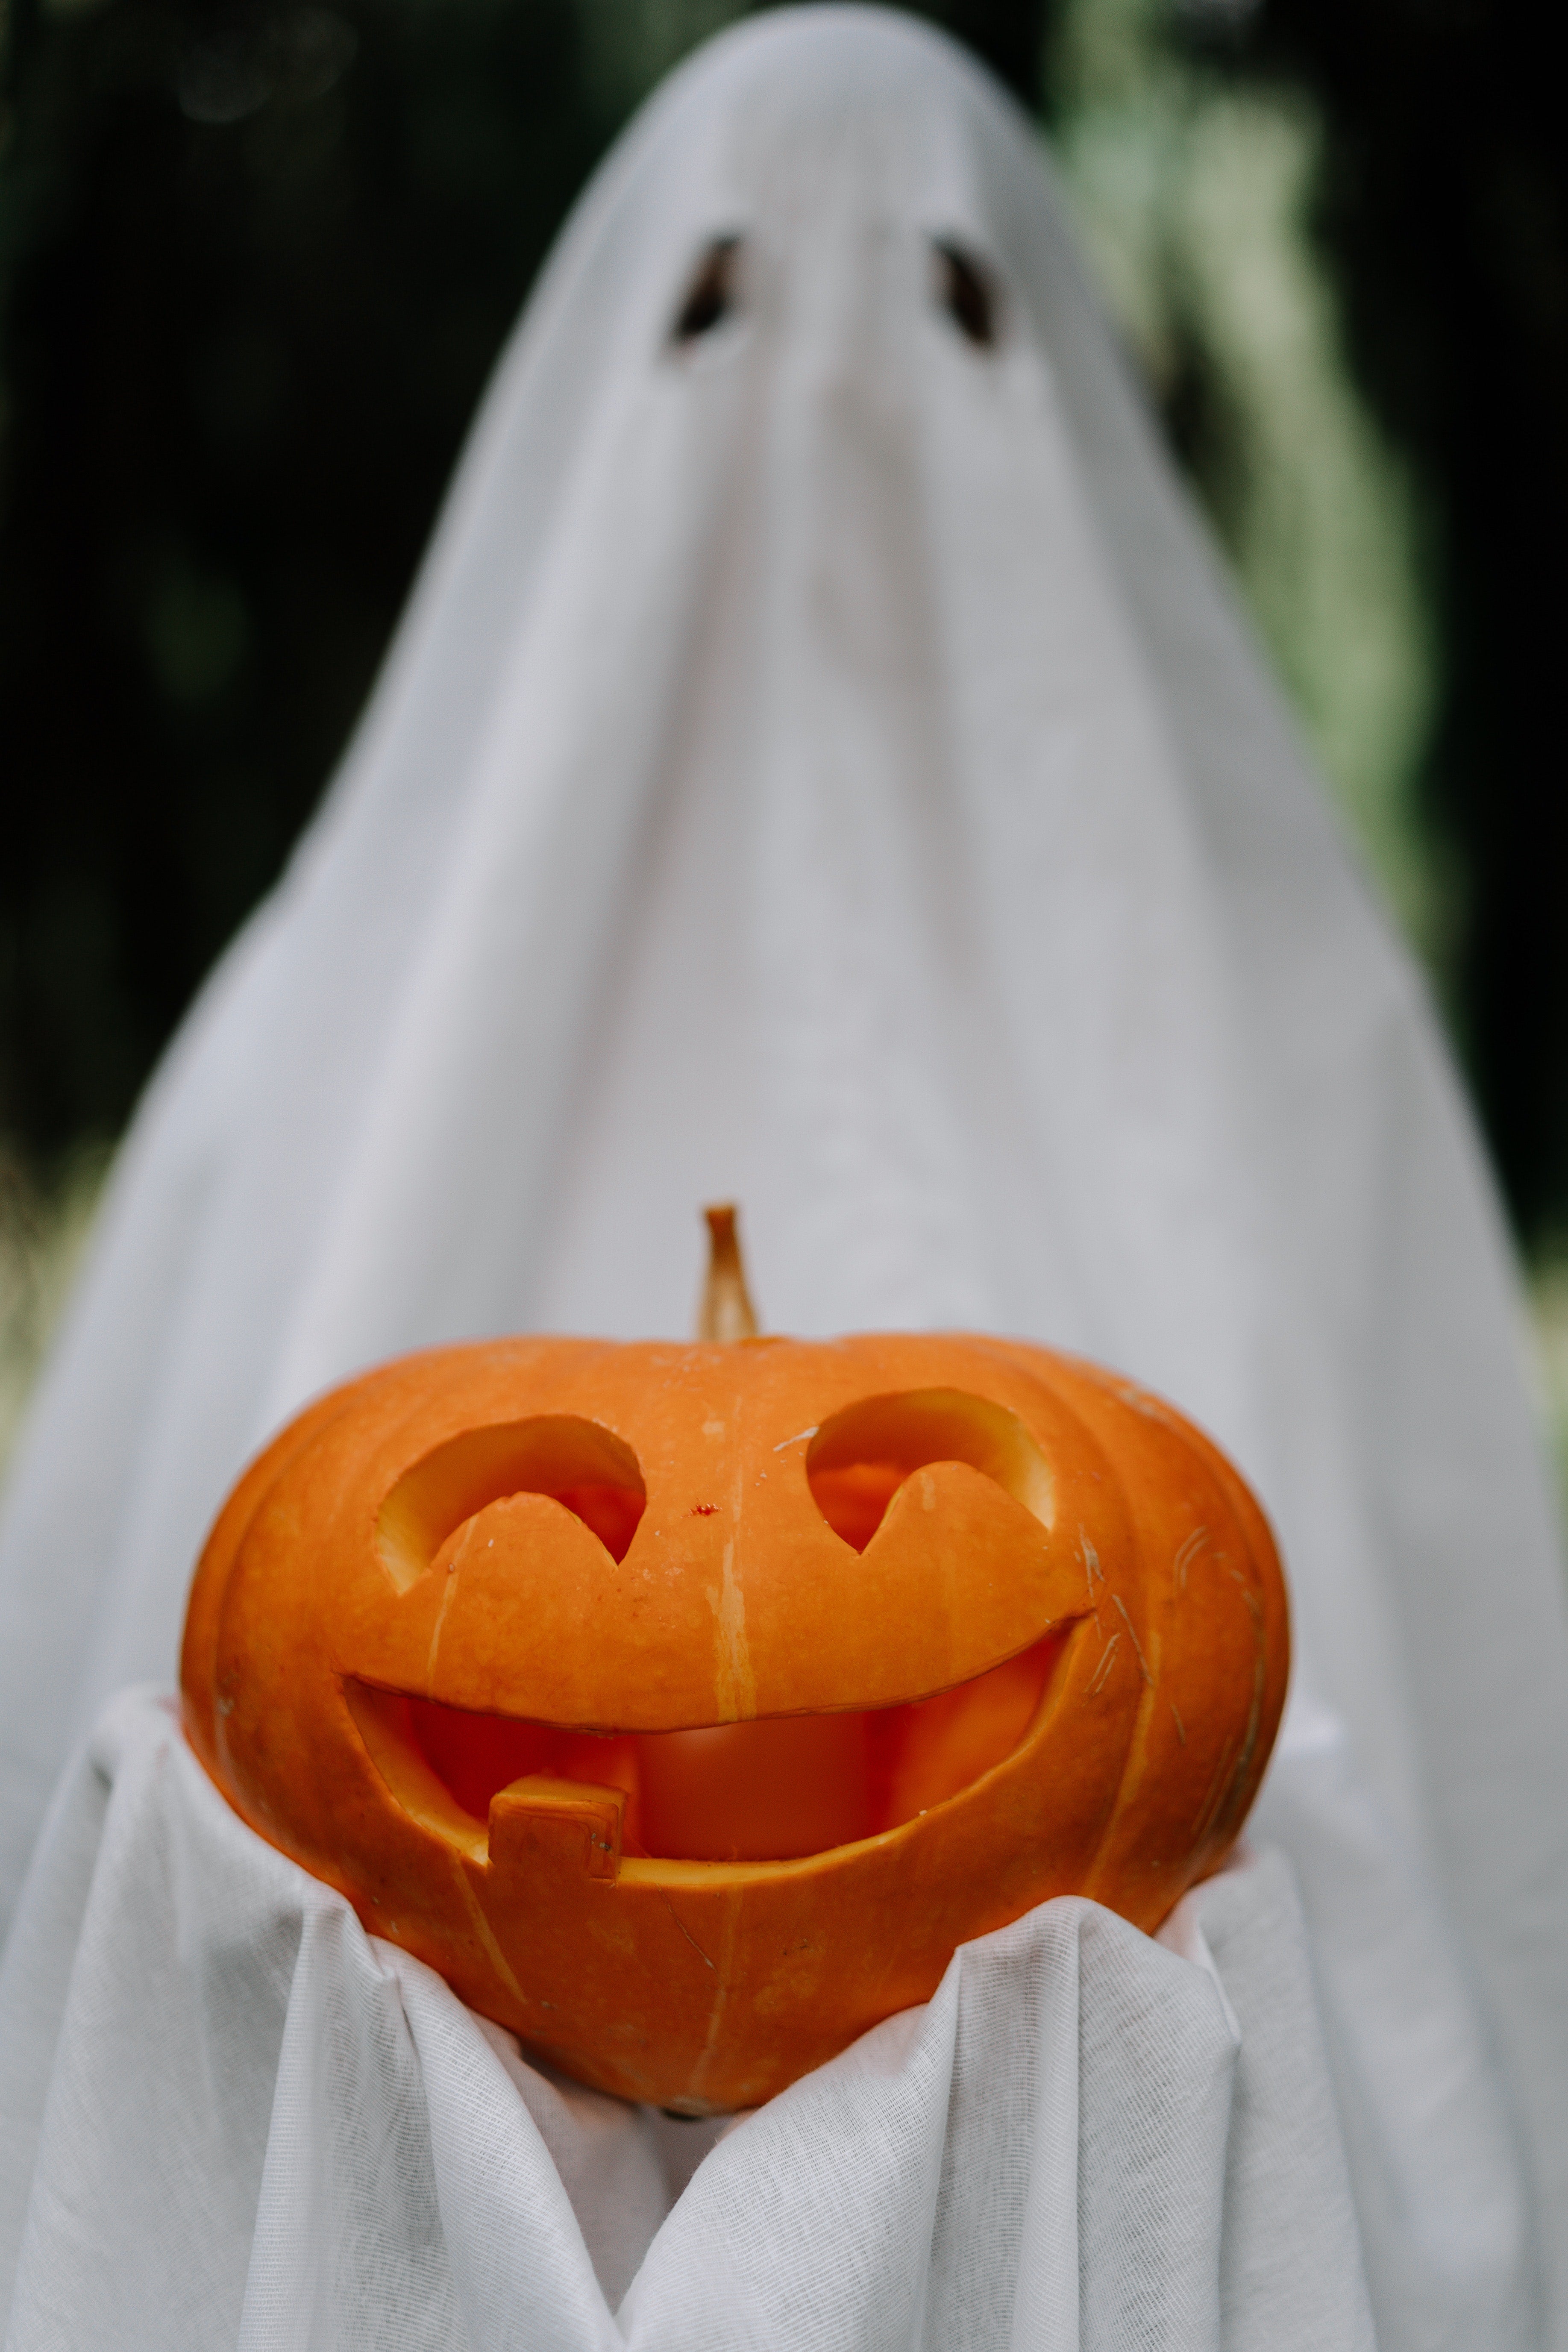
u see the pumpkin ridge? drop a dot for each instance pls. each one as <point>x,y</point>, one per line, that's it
<point>690,1857</point>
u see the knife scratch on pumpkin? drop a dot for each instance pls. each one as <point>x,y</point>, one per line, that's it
<point>447,1596</point>
<point>487,1934</point>
<point>1142,1660</point>
<point>1092,1568</point>
<point>682,1925</point>
<point>729,1938</point>
<point>1187,1555</point>
<point>1107,1659</point>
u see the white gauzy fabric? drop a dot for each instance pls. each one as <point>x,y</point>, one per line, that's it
<point>820,766</point>
<point>239,2120</point>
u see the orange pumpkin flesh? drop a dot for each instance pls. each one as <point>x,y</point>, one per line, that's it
<point>759,1792</point>
<point>686,1707</point>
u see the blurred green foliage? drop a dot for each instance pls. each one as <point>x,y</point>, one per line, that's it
<point>1196,188</point>
<point>255,267</point>
<point>256,262</point>
<point>1443,213</point>
<point>256,258</point>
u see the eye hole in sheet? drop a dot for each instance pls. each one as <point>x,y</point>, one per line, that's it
<point>967,289</point>
<point>712,293</point>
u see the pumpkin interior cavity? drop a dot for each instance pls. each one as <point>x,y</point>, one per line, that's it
<point>861,1456</point>
<point>580,1463</point>
<point>770,1791</point>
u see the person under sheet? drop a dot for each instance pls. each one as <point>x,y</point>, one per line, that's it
<point>821,766</point>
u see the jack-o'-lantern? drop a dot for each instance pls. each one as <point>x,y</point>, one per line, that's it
<point>687,1705</point>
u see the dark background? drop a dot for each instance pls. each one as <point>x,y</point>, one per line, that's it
<point>256,262</point>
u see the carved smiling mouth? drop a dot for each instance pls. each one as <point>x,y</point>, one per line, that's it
<point>773,1790</point>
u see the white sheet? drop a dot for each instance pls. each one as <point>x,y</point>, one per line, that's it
<point>241,2120</point>
<point>822,767</point>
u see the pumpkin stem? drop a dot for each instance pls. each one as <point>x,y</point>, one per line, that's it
<point>726,1311</point>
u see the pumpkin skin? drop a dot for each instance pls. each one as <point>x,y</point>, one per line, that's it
<point>993,1625</point>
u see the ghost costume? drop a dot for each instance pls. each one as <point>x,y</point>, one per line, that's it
<point>820,766</point>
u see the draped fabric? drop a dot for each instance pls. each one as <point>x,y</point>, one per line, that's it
<point>820,765</point>
<point>243,2121</point>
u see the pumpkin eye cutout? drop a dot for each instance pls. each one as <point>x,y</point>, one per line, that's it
<point>967,289</point>
<point>711,296</point>
<point>587,1468</point>
<point>861,1456</point>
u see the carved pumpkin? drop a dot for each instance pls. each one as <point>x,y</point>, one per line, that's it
<point>686,1705</point>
